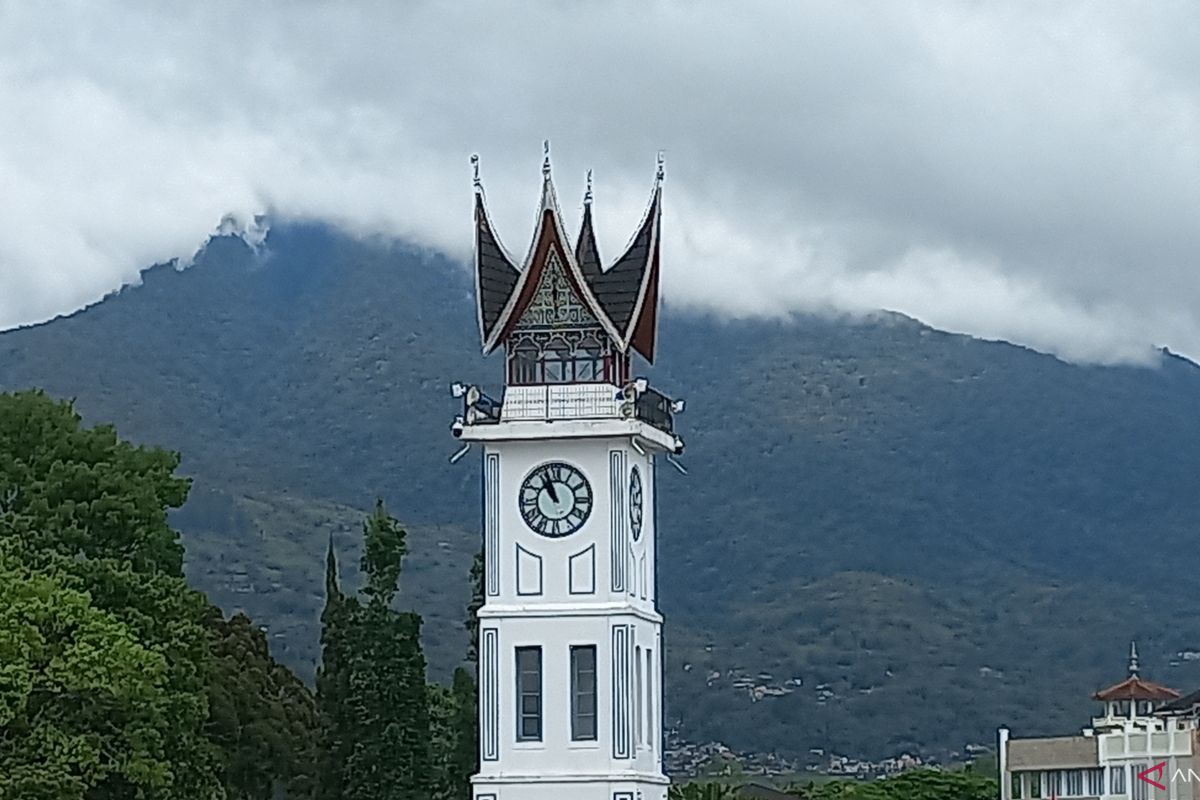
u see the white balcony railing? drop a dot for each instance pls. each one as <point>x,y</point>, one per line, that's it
<point>552,402</point>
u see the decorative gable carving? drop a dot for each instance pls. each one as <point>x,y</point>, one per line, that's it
<point>555,304</point>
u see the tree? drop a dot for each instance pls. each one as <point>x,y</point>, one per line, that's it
<point>90,494</point>
<point>443,735</point>
<point>375,703</point>
<point>83,704</point>
<point>472,621</point>
<point>260,714</point>
<point>464,761</point>
<point>702,791</point>
<point>335,728</point>
<point>83,523</point>
<point>922,784</point>
<point>81,504</point>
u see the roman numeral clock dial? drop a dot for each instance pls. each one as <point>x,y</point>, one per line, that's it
<point>555,500</point>
<point>635,503</point>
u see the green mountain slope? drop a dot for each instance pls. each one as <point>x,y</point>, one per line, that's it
<point>904,537</point>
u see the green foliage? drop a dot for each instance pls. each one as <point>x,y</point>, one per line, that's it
<point>385,545</point>
<point>926,784</point>
<point>83,491</point>
<point>472,620</point>
<point>83,704</point>
<point>390,759</point>
<point>464,758</point>
<point>335,726</point>
<point>373,700</point>
<point>116,679</point>
<point>442,740</point>
<point>702,791</point>
<point>260,715</point>
<point>82,504</point>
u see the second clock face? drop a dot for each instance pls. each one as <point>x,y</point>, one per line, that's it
<point>555,499</point>
<point>635,503</point>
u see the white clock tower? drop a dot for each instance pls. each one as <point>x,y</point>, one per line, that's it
<point>570,638</point>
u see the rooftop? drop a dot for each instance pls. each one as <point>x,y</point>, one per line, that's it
<point>1135,688</point>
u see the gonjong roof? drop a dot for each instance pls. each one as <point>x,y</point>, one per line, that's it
<point>623,296</point>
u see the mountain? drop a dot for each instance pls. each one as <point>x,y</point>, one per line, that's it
<point>901,537</point>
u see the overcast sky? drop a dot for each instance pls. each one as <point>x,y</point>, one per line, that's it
<point>1028,172</point>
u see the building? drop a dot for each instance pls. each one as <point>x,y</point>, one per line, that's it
<point>570,639</point>
<point>1142,745</point>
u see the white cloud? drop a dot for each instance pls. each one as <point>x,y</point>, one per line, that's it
<point>1015,171</point>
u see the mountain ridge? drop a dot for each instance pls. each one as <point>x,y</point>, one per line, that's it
<point>849,480</point>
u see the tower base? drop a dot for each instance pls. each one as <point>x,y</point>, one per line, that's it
<point>556,789</point>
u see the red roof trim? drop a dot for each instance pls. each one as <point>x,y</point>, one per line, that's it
<point>645,330</point>
<point>541,257</point>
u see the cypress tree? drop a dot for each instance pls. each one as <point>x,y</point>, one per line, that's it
<point>443,736</point>
<point>390,758</point>
<point>333,687</point>
<point>472,621</point>
<point>464,760</point>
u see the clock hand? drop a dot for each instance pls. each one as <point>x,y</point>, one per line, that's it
<point>550,489</point>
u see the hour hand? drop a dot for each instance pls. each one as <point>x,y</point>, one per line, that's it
<point>550,489</point>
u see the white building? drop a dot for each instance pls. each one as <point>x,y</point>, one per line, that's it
<point>570,642</point>
<point>1143,745</point>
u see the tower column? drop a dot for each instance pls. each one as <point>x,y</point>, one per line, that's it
<point>570,653</point>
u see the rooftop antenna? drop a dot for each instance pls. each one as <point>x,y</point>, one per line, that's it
<point>1133,660</point>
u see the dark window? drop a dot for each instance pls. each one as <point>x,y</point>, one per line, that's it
<point>529,694</point>
<point>589,360</point>
<point>583,693</point>
<point>556,363</point>
<point>637,694</point>
<point>525,367</point>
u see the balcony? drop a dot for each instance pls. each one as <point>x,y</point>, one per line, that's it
<point>578,401</point>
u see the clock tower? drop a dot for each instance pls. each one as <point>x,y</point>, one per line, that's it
<point>570,636</point>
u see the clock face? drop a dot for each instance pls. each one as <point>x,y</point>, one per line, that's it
<point>635,503</point>
<point>555,499</point>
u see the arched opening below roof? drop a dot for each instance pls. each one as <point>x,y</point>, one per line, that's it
<point>542,358</point>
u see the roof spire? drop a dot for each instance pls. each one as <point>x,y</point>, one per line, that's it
<point>587,195</point>
<point>546,158</point>
<point>475,168</point>
<point>658,175</point>
<point>1133,660</point>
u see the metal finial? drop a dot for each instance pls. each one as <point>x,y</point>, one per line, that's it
<point>1133,660</point>
<point>659,174</point>
<point>546,158</point>
<point>587,195</point>
<point>475,168</point>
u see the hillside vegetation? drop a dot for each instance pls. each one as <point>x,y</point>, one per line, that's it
<point>907,536</point>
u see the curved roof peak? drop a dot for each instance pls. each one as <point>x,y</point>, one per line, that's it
<point>623,297</point>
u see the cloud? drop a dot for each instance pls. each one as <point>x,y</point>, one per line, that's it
<point>1020,171</point>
